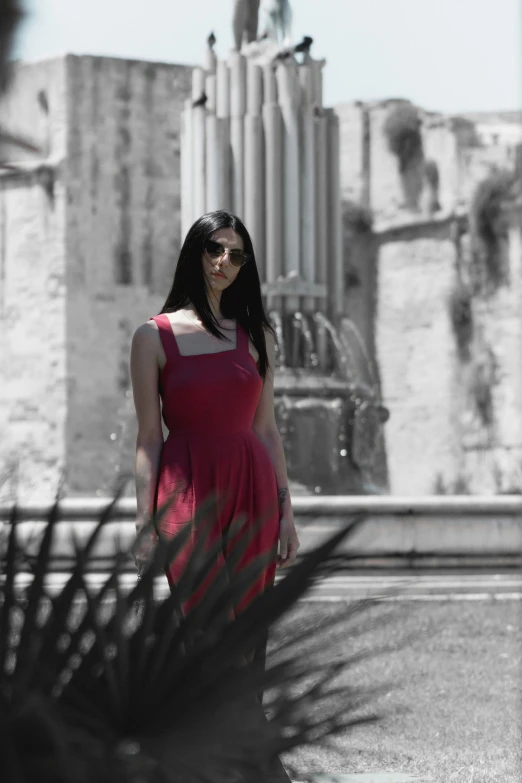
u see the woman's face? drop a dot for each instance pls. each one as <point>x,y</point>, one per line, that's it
<point>219,272</point>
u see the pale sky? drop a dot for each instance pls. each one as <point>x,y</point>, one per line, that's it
<point>445,55</point>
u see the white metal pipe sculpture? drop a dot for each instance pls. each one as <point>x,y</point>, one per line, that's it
<point>257,140</point>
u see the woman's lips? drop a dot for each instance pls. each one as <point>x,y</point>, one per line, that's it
<point>218,274</point>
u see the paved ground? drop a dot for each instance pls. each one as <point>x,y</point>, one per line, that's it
<point>420,586</point>
<point>459,695</point>
<point>392,586</point>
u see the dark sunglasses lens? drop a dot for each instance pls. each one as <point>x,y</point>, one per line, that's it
<point>238,258</point>
<point>214,249</point>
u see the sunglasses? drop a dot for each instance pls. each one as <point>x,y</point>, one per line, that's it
<point>215,252</point>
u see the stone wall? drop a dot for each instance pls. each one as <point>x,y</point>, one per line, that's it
<point>386,195</point>
<point>89,238</point>
<point>33,370</point>
<point>455,424</point>
<point>492,450</point>
<point>355,143</point>
<point>35,108</point>
<point>398,296</point>
<point>123,240</point>
<point>417,358</point>
<point>440,143</point>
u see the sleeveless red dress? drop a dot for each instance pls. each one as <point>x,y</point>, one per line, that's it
<point>208,405</point>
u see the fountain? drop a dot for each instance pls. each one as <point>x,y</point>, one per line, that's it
<point>257,140</point>
<point>328,406</point>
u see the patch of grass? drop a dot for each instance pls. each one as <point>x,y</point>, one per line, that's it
<point>459,687</point>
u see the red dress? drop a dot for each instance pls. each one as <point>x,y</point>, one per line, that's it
<point>209,401</point>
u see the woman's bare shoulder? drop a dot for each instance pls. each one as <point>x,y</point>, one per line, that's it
<point>146,332</point>
<point>146,344</point>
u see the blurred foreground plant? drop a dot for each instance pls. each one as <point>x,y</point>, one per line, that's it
<point>11,15</point>
<point>122,687</point>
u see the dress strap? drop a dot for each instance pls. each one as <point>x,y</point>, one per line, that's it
<point>168,339</point>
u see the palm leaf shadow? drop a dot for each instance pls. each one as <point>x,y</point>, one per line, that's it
<point>167,692</point>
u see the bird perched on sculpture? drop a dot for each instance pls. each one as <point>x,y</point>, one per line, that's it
<point>211,40</point>
<point>201,101</point>
<point>283,55</point>
<point>304,46</point>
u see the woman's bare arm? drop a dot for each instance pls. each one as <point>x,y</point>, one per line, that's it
<point>149,443</point>
<point>265,427</point>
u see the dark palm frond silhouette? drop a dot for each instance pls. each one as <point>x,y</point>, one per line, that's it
<point>92,690</point>
<point>11,15</point>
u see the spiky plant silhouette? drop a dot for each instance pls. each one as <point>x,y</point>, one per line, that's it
<point>93,690</point>
<point>11,15</point>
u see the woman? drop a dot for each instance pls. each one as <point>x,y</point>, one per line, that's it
<point>211,354</point>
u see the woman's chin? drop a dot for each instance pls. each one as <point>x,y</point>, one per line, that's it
<point>219,283</point>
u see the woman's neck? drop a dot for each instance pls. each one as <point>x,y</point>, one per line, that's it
<point>214,305</point>
<point>214,302</point>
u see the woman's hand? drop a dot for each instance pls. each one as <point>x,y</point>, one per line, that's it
<point>144,545</point>
<point>288,540</point>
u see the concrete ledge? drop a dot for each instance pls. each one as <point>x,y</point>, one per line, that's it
<point>369,777</point>
<point>87,508</point>
<point>395,530</point>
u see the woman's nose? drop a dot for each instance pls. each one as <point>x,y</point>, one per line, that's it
<point>225,257</point>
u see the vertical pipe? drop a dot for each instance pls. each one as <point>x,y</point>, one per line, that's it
<point>212,162</point>
<point>198,83</point>
<point>321,130</point>
<point>198,144</point>
<point>186,170</point>
<point>317,80</point>
<point>308,186</point>
<point>237,139</point>
<point>335,232</point>
<point>223,131</point>
<point>273,128</point>
<point>223,89</point>
<point>211,91</point>
<point>288,88</point>
<point>254,163</point>
<point>198,172</point>
<point>210,60</point>
<point>212,153</point>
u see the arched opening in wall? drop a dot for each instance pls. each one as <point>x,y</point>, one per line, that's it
<point>402,130</point>
<point>489,228</point>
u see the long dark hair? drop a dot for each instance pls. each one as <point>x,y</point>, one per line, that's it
<point>241,300</point>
